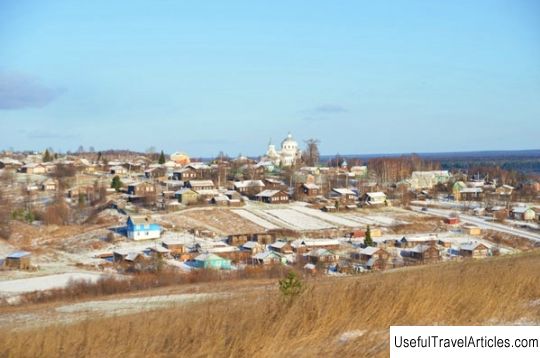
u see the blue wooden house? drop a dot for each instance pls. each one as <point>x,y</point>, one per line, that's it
<point>142,228</point>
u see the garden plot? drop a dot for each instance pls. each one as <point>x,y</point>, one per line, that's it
<point>274,220</point>
<point>298,220</point>
<point>255,219</point>
<point>336,220</point>
<point>374,220</point>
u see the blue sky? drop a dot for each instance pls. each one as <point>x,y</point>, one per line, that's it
<point>204,76</point>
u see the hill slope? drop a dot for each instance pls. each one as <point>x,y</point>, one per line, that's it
<point>339,316</point>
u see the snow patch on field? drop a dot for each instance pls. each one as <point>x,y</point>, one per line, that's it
<point>299,220</point>
<point>336,220</point>
<point>11,287</point>
<point>128,305</point>
<point>255,219</point>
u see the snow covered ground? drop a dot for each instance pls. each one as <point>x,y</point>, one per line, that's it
<point>334,219</point>
<point>255,219</point>
<point>373,219</point>
<point>135,304</point>
<point>299,220</point>
<point>24,285</point>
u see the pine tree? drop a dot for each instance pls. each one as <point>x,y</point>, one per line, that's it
<point>291,286</point>
<point>161,158</point>
<point>368,241</point>
<point>116,183</point>
<point>47,157</point>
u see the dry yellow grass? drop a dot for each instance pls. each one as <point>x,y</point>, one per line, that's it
<point>502,290</point>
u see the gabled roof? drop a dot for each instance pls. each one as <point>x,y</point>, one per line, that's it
<point>315,242</point>
<point>369,251</point>
<point>311,186</point>
<point>343,191</point>
<point>208,257</point>
<point>279,244</point>
<point>421,248</point>
<point>141,220</point>
<point>520,209</point>
<point>320,252</point>
<point>251,245</point>
<point>18,254</point>
<point>132,256</point>
<point>184,190</point>
<point>248,183</point>
<point>201,183</point>
<point>274,181</point>
<point>267,255</point>
<point>377,195</point>
<point>471,246</point>
<point>268,193</point>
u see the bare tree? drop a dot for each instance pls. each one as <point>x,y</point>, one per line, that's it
<point>311,155</point>
<point>5,215</point>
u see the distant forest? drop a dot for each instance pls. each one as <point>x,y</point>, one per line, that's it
<point>526,161</point>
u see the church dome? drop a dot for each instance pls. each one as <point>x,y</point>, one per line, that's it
<point>289,143</point>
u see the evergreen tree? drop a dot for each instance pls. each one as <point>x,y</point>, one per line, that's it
<point>47,157</point>
<point>291,286</point>
<point>368,241</point>
<point>116,183</point>
<point>161,158</point>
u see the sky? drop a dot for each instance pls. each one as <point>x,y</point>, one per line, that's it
<point>208,76</point>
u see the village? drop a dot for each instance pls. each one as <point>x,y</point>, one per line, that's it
<point>86,214</point>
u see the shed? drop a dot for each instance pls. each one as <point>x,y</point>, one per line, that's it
<point>18,260</point>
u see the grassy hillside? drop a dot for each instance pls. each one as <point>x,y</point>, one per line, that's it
<point>504,290</point>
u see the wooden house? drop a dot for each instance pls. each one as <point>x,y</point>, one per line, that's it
<point>32,168</point>
<point>423,253</point>
<point>263,238</point>
<point>274,184</point>
<point>49,185</point>
<point>373,199</point>
<point>322,255</point>
<point>472,230</point>
<point>267,258</point>
<point>309,189</point>
<point>474,250</point>
<point>237,239</point>
<point>344,195</point>
<point>306,245</point>
<point>141,189</point>
<point>367,253</point>
<point>249,187</point>
<point>19,260</point>
<point>253,247</point>
<point>176,247</point>
<point>186,196</point>
<point>283,247</point>
<point>523,213</point>
<point>185,174</point>
<point>142,228</point>
<point>199,185</point>
<point>273,197</point>
<point>156,172</point>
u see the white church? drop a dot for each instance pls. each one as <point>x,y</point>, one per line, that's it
<point>287,156</point>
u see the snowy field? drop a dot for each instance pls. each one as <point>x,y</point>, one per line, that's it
<point>299,220</point>
<point>136,304</point>
<point>373,220</point>
<point>336,220</point>
<point>272,219</point>
<point>24,285</point>
<point>255,219</point>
